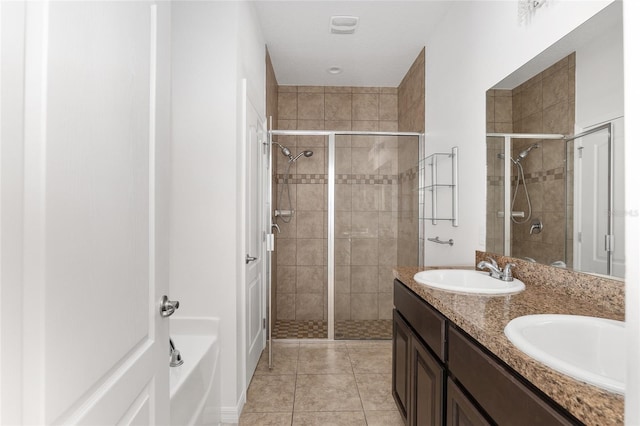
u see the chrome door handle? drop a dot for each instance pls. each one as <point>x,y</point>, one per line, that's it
<point>168,307</point>
<point>250,259</point>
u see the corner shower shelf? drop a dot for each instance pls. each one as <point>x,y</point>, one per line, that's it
<point>441,187</point>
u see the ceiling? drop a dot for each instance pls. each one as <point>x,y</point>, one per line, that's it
<point>389,36</point>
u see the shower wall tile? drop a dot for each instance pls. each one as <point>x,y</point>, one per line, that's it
<point>365,197</point>
<point>343,279</point>
<point>364,306</point>
<point>310,106</point>
<point>338,89</point>
<point>309,306</point>
<point>385,305</point>
<point>364,279</point>
<point>388,126</point>
<point>310,279</point>
<point>343,224</point>
<point>310,224</point>
<point>343,252</point>
<point>286,305</point>
<point>364,252</point>
<point>343,308</point>
<point>388,109</point>
<point>365,106</point>
<point>287,252</point>
<point>387,251</point>
<point>287,89</point>
<point>365,89</point>
<point>310,251</point>
<point>287,106</point>
<point>343,161</point>
<point>310,197</point>
<point>387,224</point>
<point>555,88</point>
<point>385,278</point>
<point>337,106</point>
<point>310,89</point>
<point>364,224</point>
<point>286,276</point>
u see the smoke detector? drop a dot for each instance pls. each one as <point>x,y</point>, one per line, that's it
<point>343,24</point>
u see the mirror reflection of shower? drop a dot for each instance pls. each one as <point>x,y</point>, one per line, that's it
<point>520,177</point>
<point>285,214</point>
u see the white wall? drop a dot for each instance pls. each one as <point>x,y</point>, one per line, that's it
<point>476,46</point>
<point>600,78</point>
<point>215,45</point>
<point>631,11</point>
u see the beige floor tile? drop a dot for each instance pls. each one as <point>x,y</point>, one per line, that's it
<point>375,391</point>
<point>329,359</point>
<point>333,418</point>
<point>265,419</point>
<point>270,394</point>
<point>327,392</point>
<point>384,418</point>
<point>284,360</point>
<point>371,358</point>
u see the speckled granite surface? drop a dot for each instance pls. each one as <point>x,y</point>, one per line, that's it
<point>548,290</point>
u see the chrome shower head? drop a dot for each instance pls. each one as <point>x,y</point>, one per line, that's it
<point>526,152</point>
<point>307,153</point>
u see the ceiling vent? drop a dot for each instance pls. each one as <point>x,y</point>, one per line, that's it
<point>343,24</point>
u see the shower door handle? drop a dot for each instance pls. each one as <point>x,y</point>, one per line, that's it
<point>250,259</point>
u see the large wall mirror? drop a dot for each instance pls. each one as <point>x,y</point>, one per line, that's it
<point>555,153</point>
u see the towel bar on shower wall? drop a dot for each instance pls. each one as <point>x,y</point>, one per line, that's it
<point>439,241</point>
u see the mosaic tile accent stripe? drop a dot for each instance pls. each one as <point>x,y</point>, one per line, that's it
<point>535,177</point>
<point>340,179</point>
<point>345,329</point>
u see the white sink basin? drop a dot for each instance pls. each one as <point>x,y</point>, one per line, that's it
<point>586,348</point>
<point>467,281</point>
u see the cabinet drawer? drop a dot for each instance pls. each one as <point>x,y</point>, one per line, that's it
<point>426,321</point>
<point>502,395</point>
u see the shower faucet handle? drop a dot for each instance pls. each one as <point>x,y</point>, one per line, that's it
<point>536,227</point>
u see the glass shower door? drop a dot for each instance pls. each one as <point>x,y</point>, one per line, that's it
<point>375,206</point>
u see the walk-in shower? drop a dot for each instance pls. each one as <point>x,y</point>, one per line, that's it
<point>350,214</point>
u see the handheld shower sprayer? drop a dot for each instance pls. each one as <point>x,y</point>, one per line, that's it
<point>287,153</point>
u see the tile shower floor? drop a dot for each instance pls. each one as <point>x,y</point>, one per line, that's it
<point>328,383</point>
<point>345,329</point>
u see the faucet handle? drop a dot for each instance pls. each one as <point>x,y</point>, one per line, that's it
<point>493,262</point>
<point>506,273</point>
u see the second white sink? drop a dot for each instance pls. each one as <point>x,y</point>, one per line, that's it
<point>467,281</point>
<point>586,348</point>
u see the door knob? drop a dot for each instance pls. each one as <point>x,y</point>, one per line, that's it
<point>250,259</point>
<point>168,307</point>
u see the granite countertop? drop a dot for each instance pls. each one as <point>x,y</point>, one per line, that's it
<point>484,318</point>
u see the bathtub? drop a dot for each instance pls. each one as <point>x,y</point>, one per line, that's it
<point>195,385</point>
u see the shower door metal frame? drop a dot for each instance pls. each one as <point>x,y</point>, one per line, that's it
<point>331,150</point>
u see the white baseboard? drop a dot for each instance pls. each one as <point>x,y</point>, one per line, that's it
<point>232,414</point>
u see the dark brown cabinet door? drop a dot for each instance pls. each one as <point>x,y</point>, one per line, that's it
<point>427,378</point>
<point>461,411</point>
<point>400,372</point>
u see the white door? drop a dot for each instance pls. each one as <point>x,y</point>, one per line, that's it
<point>256,149</point>
<point>92,256</point>
<point>592,196</point>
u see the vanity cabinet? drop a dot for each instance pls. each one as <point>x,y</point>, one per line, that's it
<point>418,377</point>
<point>443,376</point>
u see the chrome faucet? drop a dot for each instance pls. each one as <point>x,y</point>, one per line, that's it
<point>175,359</point>
<point>495,271</point>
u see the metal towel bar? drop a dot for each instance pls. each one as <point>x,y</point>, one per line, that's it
<point>439,241</point>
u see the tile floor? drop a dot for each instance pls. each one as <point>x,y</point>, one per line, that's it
<point>326,383</point>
